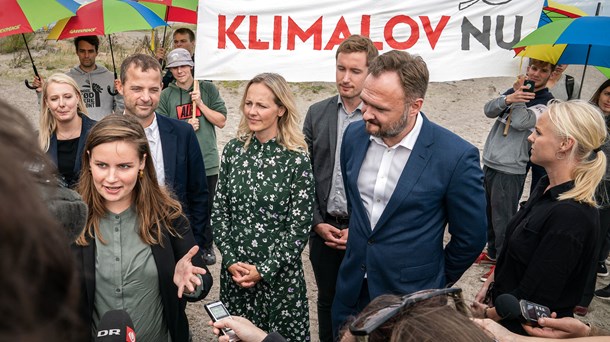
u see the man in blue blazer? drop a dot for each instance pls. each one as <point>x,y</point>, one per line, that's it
<point>173,144</point>
<point>406,178</point>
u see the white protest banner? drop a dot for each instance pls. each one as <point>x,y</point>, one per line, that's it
<point>237,39</point>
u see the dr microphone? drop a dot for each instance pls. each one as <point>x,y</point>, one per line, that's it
<point>115,326</point>
<point>509,307</point>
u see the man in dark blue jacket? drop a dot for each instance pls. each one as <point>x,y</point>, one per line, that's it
<point>173,144</point>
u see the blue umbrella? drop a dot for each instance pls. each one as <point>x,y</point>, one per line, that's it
<point>584,40</point>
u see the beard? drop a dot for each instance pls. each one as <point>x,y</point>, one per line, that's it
<point>390,130</point>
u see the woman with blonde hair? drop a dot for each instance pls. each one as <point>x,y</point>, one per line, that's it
<point>550,242</point>
<point>263,211</point>
<point>137,252</point>
<point>63,125</point>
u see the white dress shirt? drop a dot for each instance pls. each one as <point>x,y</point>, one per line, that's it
<point>384,165</point>
<point>154,140</point>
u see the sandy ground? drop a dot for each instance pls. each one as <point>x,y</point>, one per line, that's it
<point>457,106</point>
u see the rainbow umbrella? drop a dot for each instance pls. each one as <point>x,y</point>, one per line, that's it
<point>173,14</point>
<point>181,11</point>
<point>102,17</point>
<point>186,4</point>
<point>583,40</point>
<point>105,17</point>
<point>553,11</point>
<point>25,16</point>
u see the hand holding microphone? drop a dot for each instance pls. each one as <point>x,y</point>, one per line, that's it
<point>509,307</point>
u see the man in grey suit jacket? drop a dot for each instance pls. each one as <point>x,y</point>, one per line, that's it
<point>323,128</point>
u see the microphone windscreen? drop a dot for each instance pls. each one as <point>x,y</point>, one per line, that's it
<point>115,326</point>
<point>507,306</point>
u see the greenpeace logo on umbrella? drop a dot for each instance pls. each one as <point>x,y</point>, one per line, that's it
<point>85,30</point>
<point>10,28</point>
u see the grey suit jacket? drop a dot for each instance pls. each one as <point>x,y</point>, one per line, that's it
<point>320,129</point>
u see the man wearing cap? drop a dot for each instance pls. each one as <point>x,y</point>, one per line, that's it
<point>182,38</point>
<point>177,102</point>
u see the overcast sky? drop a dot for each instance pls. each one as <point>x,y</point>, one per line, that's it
<point>589,6</point>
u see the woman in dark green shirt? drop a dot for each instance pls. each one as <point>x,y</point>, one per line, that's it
<point>137,252</point>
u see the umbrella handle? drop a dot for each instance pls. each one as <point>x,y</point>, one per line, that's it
<point>27,84</point>
<point>110,91</point>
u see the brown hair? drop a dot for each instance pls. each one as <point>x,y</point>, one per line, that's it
<point>411,70</point>
<point>289,134</point>
<point>595,98</point>
<point>185,30</point>
<point>423,322</point>
<point>358,43</point>
<point>140,61</point>
<point>39,289</point>
<point>93,40</point>
<point>541,64</point>
<point>156,209</point>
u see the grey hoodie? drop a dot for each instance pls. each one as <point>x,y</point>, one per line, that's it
<point>94,86</point>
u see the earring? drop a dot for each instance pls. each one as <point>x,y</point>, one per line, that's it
<point>560,155</point>
<point>141,175</point>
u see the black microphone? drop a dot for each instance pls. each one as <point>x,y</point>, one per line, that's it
<point>115,326</point>
<point>509,307</point>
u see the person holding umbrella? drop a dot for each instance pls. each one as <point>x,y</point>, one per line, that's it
<point>179,101</point>
<point>93,79</point>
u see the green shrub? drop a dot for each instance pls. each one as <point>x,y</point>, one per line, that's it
<point>14,43</point>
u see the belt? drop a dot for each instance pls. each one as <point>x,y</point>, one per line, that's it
<point>335,219</point>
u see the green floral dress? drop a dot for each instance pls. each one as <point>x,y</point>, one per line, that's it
<point>262,216</point>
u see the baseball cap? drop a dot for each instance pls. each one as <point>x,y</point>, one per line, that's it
<point>178,57</point>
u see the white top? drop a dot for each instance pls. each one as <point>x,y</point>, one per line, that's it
<point>154,140</point>
<point>384,165</point>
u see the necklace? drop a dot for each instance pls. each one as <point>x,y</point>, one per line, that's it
<point>69,135</point>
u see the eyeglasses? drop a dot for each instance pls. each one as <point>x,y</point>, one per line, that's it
<point>367,323</point>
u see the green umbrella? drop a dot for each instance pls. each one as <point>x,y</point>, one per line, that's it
<point>25,16</point>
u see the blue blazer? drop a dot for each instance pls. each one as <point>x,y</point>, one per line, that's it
<point>185,171</point>
<point>441,184</point>
<point>86,125</point>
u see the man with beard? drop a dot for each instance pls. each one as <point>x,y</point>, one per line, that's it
<point>405,179</point>
<point>323,128</point>
<point>173,143</point>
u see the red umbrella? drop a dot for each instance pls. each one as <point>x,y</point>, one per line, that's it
<point>24,16</point>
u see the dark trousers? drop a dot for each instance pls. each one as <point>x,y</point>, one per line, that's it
<point>342,313</point>
<point>208,236</point>
<point>325,262</point>
<point>502,191</point>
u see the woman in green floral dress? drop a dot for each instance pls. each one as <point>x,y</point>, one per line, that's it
<point>263,212</point>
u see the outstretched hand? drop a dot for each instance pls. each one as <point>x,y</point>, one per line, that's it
<point>566,327</point>
<point>243,328</point>
<point>185,273</point>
